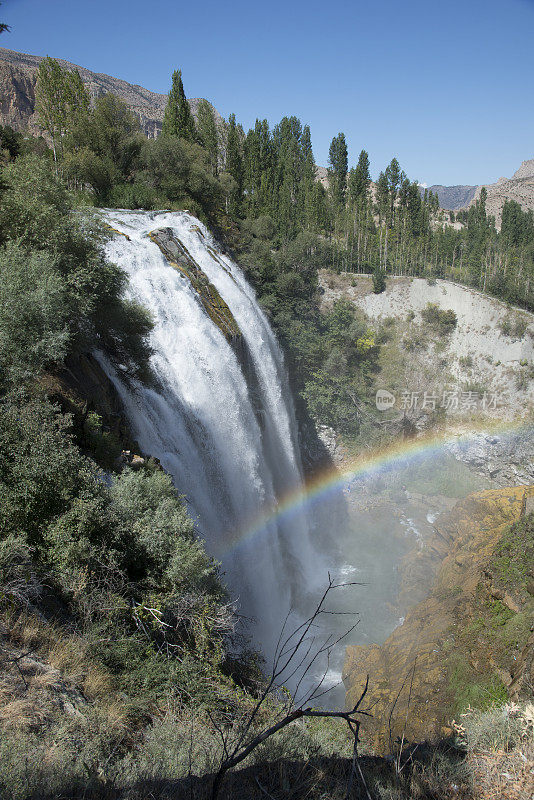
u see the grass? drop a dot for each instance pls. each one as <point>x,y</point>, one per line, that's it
<point>472,690</point>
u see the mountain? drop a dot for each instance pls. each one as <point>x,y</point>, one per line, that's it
<point>520,187</point>
<point>453,197</point>
<point>18,75</point>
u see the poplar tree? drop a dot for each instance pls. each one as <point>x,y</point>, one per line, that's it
<point>382,196</point>
<point>234,164</point>
<point>178,119</point>
<point>207,133</point>
<point>309,197</point>
<point>394,178</point>
<point>61,100</point>
<point>360,178</point>
<point>338,167</point>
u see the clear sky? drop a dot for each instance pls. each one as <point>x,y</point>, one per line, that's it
<point>446,87</point>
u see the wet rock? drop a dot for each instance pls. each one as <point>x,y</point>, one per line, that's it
<point>179,257</point>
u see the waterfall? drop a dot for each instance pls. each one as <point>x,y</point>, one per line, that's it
<point>219,416</point>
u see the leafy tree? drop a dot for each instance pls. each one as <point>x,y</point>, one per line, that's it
<point>10,141</point>
<point>207,133</point>
<point>234,164</point>
<point>394,178</point>
<point>34,324</point>
<point>60,101</point>
<point>70,286</point>
<point>178,119</point>
<point>3,26</point>
<point>338,167</point>
<point>379,280</point>
<point>360,178</point>
<point>382,196</point>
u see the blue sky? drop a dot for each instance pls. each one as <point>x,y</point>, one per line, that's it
<point>446,87</point>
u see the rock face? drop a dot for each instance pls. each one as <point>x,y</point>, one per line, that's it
<point>453,197</point>
<point>17,94</point>
<point>178,256</point>
<point>520,187</point>
<point>80,387</point>
<point>459,638</point>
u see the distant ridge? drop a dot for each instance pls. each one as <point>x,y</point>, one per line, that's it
<point>520,187</point>
<point>453,197</point>
<point>17,93</point>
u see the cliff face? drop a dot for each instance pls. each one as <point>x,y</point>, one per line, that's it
<point>453,197</point>
<point>470,642</point>
<point>520,187</point>
<point>18,73</point>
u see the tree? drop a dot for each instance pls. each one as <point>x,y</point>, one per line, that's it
<point>3,26</point>
<point>178,119</point>
<point>382,196</point>
<point>379,281</point>
<point>207,133</point>
<point>234,164</point>
<point>60,101</point>
<point>394,178</point>
<point>73,294</point>
<point>360,178</point>
<point>338,167</point>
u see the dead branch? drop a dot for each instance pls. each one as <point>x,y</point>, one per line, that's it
<point>296,653</point>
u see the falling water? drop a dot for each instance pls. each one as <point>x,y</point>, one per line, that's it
<point>221,418</point>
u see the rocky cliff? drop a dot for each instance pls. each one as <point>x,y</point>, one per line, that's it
<point>520,187</point>
<point>470,641</point>
<point>453,197</point>
<point>17,93</point>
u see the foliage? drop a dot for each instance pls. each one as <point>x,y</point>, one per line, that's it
<point>379,281</point>
<point>442,320</point>
<point>59,292</point>
<point>60,99</point>
<point>178,120</point>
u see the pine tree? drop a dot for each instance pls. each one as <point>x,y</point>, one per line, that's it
<point>178,119</point>
<point>207,133</point>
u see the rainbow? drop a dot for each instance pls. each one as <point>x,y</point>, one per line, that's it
<point>326,483</point>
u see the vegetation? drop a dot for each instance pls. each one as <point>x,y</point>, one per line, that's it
<point>120,657</point>
<point>259,190</point>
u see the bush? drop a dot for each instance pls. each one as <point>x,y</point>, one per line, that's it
<point>379,281</point>
<point>497,728</point>
<point>442,320</point>
<point>58,288</point>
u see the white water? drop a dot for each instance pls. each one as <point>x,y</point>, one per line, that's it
<point>231,454</point>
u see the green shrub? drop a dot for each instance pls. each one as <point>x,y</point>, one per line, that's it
<point>442,320</point>
<point>379,281</point>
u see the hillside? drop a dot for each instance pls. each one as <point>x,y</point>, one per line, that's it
<point>469,642</point>
<point>520,187</point>
<point>452,198</point>
<point>488,350</point>
<point>17,93</point>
